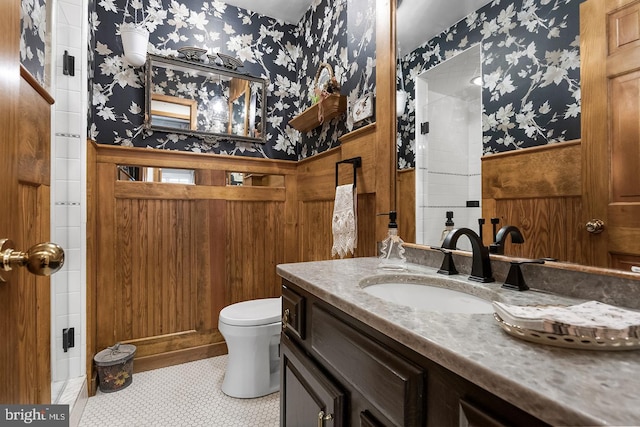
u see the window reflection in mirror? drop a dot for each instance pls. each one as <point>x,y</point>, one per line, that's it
<point>255,179</point>
<point>150,174</point>
<point>173,111</point>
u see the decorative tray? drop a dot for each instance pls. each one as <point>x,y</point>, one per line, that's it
<point>592,319</point>
<point>229,62</point>
<point>569,341</point>
<point>192,53</point>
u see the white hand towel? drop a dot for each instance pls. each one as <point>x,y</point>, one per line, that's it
<point>344,223</point>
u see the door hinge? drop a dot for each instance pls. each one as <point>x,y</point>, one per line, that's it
<point>68,339</point>
<point>424,128</point>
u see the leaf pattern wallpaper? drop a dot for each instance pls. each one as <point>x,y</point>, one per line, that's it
<point>530,67</point>
<point>530,54</point>
<point>33,29</point>
<point>339,32</point>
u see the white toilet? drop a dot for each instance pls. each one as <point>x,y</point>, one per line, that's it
<point>252,332</point>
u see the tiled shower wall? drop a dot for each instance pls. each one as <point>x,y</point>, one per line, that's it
<point>68,192</point>
<point>448,167</point>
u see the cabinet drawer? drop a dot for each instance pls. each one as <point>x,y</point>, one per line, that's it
<point>397,389</point>
<point>293,315</point>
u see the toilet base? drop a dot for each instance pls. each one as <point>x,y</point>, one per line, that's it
<point>253,364</point>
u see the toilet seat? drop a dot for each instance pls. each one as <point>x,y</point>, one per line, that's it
<point>252,313</point>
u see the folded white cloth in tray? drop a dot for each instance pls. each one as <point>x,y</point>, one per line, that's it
<point>592,319</point>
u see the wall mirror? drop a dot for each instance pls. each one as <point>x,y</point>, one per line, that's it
<point>410,35</point>
<point>563,227</point>
<point>206,100</point>
<point>448,166</point>
<point>323,76</point>
<point>155,174</point>
<point>252,179</point>
<point>447,157</point>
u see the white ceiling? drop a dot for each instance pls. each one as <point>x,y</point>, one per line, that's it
<point>290,11</point>
<point>453,76</point>
<point>419,20</point>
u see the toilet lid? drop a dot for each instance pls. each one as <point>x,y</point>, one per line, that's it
<point>252,313</point>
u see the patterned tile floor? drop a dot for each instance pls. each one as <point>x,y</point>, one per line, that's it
<point>182,395</point>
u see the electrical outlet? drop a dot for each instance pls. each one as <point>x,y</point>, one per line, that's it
<point>68,339</point>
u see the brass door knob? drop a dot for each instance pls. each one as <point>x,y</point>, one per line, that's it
<point>595,226</point>
<point>42,259</point>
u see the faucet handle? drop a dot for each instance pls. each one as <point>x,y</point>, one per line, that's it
<point>447,267</point>
<point>515,279</point>
<point>481,222</point>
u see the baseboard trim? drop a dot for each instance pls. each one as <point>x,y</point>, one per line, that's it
<point>176,357</point>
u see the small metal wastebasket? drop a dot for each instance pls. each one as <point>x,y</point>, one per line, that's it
<point>115,367</point>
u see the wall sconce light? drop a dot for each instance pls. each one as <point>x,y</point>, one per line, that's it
<point>219,109</point>
<point>477,80</point>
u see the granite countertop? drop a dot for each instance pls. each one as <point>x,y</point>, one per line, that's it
<point>559,386</point>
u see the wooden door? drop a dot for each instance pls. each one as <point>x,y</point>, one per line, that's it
<point>25,372</point>
<point>610,85</point>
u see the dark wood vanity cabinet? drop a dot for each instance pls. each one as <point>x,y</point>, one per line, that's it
<point>337,371</point>
<point>311,395</point>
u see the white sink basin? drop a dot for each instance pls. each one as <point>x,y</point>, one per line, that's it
<point>428,298</point>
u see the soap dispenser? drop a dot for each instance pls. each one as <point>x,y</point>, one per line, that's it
<point>392,250</point>
<point>448,226</point>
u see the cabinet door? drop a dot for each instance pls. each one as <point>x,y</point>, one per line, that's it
<point>472,416</point>
<point>307,396</point>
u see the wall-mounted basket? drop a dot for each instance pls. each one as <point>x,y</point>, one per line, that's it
<point>333,105</point>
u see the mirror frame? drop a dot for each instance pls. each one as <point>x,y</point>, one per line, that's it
<point>201,67</point>
<point>321,70</point>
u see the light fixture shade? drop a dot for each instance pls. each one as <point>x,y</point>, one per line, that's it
<point>135,39</point>
<point>218,109</point>
<point>401,101</point>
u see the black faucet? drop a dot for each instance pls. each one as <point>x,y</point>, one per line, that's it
<point>481,265</point>
<point>497,247</point>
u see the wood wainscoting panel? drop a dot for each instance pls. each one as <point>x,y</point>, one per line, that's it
<point>406,204</point>
<point>317,176</point>
<point>316,184</point>
<point>155,289</point>
<point>315,230</point>
<point>316,235</point>
<point>316,195</point>
<point>547,224</point>
<point>539,191</point>
<point>551,170</point>
<point>169,257</point>
<point>255,245</point>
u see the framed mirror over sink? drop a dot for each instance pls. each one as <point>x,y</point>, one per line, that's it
<point>189,96</point>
